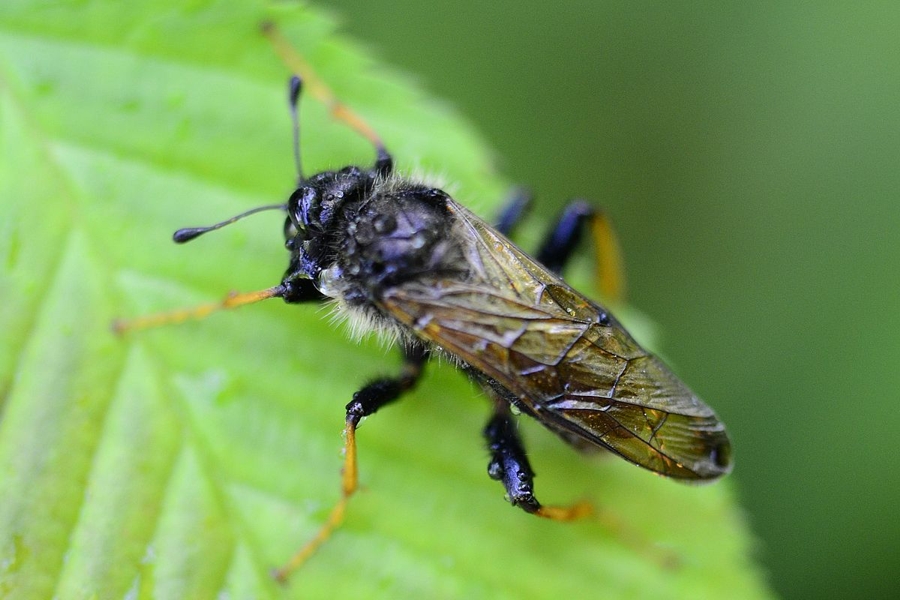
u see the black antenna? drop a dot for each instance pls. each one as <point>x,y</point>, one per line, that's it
<point>188,233</point>
<point>294,87</point>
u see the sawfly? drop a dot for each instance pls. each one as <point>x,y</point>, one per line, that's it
<point>405,258</point>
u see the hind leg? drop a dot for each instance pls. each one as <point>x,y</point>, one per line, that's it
<point>562,240</point>
<point>509,465</point>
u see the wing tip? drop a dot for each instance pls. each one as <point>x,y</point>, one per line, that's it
<point>716,464</point>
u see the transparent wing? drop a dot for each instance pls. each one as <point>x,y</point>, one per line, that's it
<point>577,371</point>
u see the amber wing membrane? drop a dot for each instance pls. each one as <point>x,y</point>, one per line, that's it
<point>582,376</point>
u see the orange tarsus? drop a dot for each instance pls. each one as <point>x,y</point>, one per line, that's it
<point>316,86</point>
<point>349,486</point>
<point>610,271</point>
<point>579,510</point>
<point>232,300</point>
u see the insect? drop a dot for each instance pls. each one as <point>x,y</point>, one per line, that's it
<point>404,257</point>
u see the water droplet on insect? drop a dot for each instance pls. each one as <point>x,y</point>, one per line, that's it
<point>328,281</point>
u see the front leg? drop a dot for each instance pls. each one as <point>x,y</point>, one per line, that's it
<point>298,290</point>
<point>365,402</point>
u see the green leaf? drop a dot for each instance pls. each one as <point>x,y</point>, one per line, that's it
<point>186,462</point>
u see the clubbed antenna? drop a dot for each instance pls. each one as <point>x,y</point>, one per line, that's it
<point>188,233</point>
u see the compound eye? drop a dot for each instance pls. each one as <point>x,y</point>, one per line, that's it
<point>300,207</point>
<point>290,229</point>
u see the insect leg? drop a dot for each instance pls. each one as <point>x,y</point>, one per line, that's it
<point>302,290</point>
<point>562,240</point>
<point>510,466</point>
<point>513,210</point>
<point>299,288</point>
<point>293,289</point>
<point>365,402</point>
<point>340,111</point>
<point>232,300</point>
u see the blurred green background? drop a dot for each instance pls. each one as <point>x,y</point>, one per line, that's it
<point>750,156</point>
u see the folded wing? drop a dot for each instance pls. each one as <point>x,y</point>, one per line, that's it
<point>572,366</point>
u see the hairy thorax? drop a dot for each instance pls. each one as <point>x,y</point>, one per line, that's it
<point>400,232</point>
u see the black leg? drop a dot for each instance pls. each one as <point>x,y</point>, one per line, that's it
<point>383,391</point>
<point>384,163</point>
<point>509,463</point>
<point>365,402</point>
<point>561,242</point>
<point>300,289</point>
<point>513,210</point>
